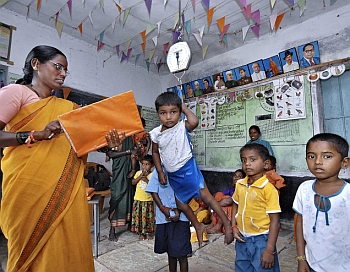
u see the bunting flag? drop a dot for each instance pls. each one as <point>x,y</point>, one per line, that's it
<point>148,5</point>
<point>155,59</point>
<point>278,21</point>
<point>206,3</point>
<point>243,2</point>
<point>159,64</point>
<point>247,11</point>
<point>38,3</point>
<point>99,45</point>
<point>117,49</point>
<point>232,96</point>
<point>56,17</point>
<point>155,40</point>
<point>273,18</point>
<point>291,2</point>
<point>3,2</point>
<point>69,4</point>
<point>151,53</point>
<point>137,57</point>
<point>188,27</point>
<point>165,48</point>
<point>128,44</point>
<point>113,25</point>
<point>124,57</point>
<point>147,63</point>
<point>143,46</point>
<point>90,18</point>
<point>256,30</point>
<point>128,54</point>
<point>210,15</point>
<point>332,2</point>
<point>204,51</point>
<point>302,4</point>
<point>256,16</point>
<point>201,32</point>
<point>226,27</point>
<point>66,92</point>
<point>143,35</point>
<point>119,8</point>
<point>193,4</point>
<point>126,14</point>
<point>59,27</point>
<point>245,30</point>
<point>221,22</point>
<point>176,36</point>
<point>272,2</point>
<point>165,2</point>
<point>80,26</point>
<point>198,38</point>
<point>158,24</point>
<point>102,34</point>
<point>177,18</point>
<point>224,40</point>
<point>150,28</point>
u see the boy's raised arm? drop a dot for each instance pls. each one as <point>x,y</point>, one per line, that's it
<point>192,120</point>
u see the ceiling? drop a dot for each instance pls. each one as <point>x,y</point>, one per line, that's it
<point>97,19</point>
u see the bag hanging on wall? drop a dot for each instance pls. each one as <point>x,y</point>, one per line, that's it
<point>98,177</point>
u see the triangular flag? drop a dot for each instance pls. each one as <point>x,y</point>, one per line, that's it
<point>59,27</point>
<point>256,30</point>
<point>147,63</point>
<point>143,46</point>
<point>159,64</point>
<point>256,16</point>
<point>273,18</point>
<point>56,17</point>
<point>124,57</point>
<point>188,27</point>
<point>128,44</point>
<point>129,52</point>
<point>143,35</point>
<point>221,23</point>
<point>117,49</point>
<point>148,5</point>
<point>210,15</point>
<point>278,21</point>
<point>232,96</point>
<point>80,26</point>
<point>177,18</point>
<point>198,38</point>
<point>90,18</point>
<point>102,35</point>
<point>66,92</point>
<point>126,14</point>
<point>176,36</point>
<point>151,53</point>
<point>201,31</point>
<point>206,3</point>
<point>3,2</point>
<point>332,2</point>
<point>291,2</point>
<point>165,48</point>
<point>243,2</point>
<point>193,4</point>
<point>165,2</point>
<point>272,2</point>
<point>301,4</point>
<point>155,59</point>
<point>248,11</point>
<point>113,25</point>
<point>69,4</point>
<point>137,57</point>
<point>38,5</point>
<point>226,27</point>
<point>204,51</point>
<point>245,30</point>
<point>224,39</point>
<point>155,40</point>
<point>158,24</point>
<point>119,7</point>
<point>150,28</point>
<point>99,45</point>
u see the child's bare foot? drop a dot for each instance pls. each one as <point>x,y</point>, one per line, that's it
<point>199,231</point>
<point>112,235</point>
<point>131,174</point>
<point>149,236</point>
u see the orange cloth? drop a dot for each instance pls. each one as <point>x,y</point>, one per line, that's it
<point>87,127</point>
<point>44,212</point>
<point>275,179</point>
<point>227,209</point>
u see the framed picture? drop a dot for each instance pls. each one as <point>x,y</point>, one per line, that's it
<point>230,79</point>
<point>289,59</point>
<point>188,90</point>
<point>243,75</point>
<point>207,85</point>
<point>272,66</point>
<point>178,90</point>
<point>219,83</point>
<point>198,87</point>
<point>257,70</point>
<point>309,54</point>
<point>5,41</point>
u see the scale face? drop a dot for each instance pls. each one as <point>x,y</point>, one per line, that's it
<point>179,57</point>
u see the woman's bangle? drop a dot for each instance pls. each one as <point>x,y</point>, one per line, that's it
<point>234,227</point>
<point>32,136</point>
<point>301,258</point>
<point>21,137</point>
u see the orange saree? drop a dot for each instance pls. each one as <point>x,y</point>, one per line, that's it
<point>44,213</point>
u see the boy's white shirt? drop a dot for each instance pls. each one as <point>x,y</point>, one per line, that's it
<point>173,145</point>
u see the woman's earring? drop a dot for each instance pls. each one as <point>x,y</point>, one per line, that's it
<point>35,68</point>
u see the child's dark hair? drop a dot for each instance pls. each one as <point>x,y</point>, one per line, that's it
<point>167,99</point>
<point>148,158</point>
<point>241,171</point>
<point>337,141</point>
<point>262,150</point>
<point>273,160</point>
<point>256,128</point>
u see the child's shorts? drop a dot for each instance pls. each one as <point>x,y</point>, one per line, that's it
<point>173,238</point>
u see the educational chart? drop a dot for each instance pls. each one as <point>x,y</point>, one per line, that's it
<point>217,149</point>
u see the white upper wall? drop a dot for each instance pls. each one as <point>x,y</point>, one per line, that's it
<point>85,63</point>
<point>331,29</point>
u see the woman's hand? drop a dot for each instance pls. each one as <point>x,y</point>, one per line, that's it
<point>113,138</point>
<point>52,129</point>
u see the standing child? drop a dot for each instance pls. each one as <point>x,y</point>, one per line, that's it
<point>171,146</point>
<point>143,209</point>
<point>323,207</point>
<point>173,228</point>
<point>255,214</point>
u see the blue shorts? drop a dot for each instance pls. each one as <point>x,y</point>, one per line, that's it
<point>173,238</point>
<point>248,255</point>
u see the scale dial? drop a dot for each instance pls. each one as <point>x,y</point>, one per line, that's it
<point>179,57</point>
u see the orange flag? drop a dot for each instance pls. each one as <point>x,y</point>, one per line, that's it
<point>210,15</point>
<point>143,45</point>
<point>278,21</point>
<point>80,26</point>
<point>221,23</point>
<point>143,35</point>
<point>38,5</point>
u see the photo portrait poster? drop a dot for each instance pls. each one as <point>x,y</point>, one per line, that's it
<point>309,54</point>
<point>243,75</point>
<point>289,59</point>
<point>272,66</point>
<point>257,70</point>
<point>230,79</point>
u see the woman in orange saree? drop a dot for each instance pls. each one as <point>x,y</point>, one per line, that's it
<point>44,211</point>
